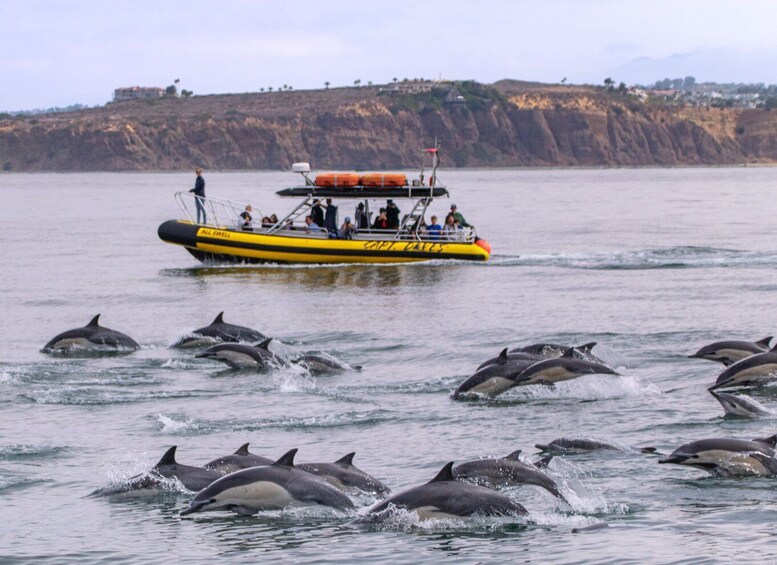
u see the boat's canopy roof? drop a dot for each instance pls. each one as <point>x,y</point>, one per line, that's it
<point>362,192</point>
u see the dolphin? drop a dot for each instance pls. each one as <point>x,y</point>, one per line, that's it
<point>754,370</point>
<point>493,379</point>
<point>270,487</point>
<point>565,445</point>
<point>729,352</point>
<point>193,478</point>
<point>551,371</point>
<point>240,356</point>
<point>345,476</point>
<point>551,350</point>
<point>220,331</point>
<point>323,364</point>
<point>93,337</point>
<point>515,357</point>
<point>240,459</point>
<point>505,472</point>
<point>727,457</point>
<point>739,405</point>
<point>445,497</point>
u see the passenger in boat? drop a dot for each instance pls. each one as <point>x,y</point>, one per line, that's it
<point>361,219</point>
<point>311,225</point>
<point>458,217</point>
<point>266,223</point>
<point>317,212</point>
<point>347,229</point>
<point>451,229</point>
<point>199,195</point>
<point>392,215</point>
<point>434,229</point>
<point>274,219</point>
<point>381,222</point>
<point>330,219</point>
<point>245,215</point>
<point>289,225</point>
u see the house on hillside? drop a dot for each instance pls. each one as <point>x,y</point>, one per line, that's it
<point>136,92</point>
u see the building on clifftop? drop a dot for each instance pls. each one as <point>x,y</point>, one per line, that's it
<point>135,92</point>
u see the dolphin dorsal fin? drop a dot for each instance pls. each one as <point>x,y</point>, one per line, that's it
<point>765,341</point>
<point>287,459</point>
<point>586,347</point>
<point>219,319</point>
<point>569,352</point>
<point>514,456</point>
<point>347,459</point>
<point>543,463</point>
<point>242,450</point>
<point>94,323</point>
<point>502,359</point>
<point>445,474</point>
<point>168,458</point>
<point>264,345</point>
<point>771,441</point>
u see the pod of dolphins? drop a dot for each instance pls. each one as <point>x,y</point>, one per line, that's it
<point>245,483</point>
<point>238,347</point>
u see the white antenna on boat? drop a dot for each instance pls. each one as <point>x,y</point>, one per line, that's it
<point>435,163</point>
<point>304,170</point>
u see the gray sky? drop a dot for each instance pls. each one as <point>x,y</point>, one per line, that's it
<point>61,52</point>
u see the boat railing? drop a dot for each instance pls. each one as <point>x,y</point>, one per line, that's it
<point>219,212</point>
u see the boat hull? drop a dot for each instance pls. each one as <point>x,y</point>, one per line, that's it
<point>233,246</point>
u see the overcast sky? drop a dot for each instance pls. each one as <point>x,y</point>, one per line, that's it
<point>61,52</point>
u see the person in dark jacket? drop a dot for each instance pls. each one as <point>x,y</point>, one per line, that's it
<point>392,215</point>
<point>381,222</point>
<point>199,195</point>
<point>317,213</point>
<point>361,219</point>
<point>330,219</point>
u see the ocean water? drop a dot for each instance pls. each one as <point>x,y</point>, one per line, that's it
<point>650,263</point>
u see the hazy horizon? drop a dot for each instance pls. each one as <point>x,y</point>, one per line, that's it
<point>77,52</point>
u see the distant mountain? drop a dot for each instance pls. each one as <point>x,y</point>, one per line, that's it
<point>510,123</point>
<point>707,65</point>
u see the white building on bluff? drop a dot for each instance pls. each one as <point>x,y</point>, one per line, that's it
<point>135,92</point>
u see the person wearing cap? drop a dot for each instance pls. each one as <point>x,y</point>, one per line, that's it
<point>459,218</point>
<point>245,215</point>
<point>199,195</point>
<point>392,215</point>
<point>347,229</point>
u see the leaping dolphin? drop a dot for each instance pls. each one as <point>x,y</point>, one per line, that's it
<point>739,405</point>
<point>220,331</point>
<point>270,487</point>
<point>445,497</point>
<point>729,352</point>
<point>727,457</point>
<point>240,459</point>
<point>568,366</point>
<point>91,337</point>
<point>193,478</point>
<point>493,379</point>
<point>754,370</point>
<point>505,472</point>
<point>344,475</point>
<point>240,356</point>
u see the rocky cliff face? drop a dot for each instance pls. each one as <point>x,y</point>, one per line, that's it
<point>508,124</point>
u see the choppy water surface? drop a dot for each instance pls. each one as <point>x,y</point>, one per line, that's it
<point>651,264</point>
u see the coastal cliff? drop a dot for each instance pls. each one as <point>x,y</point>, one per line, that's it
<point>509,123</point>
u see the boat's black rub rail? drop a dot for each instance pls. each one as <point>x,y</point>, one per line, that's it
<point>173,231</point>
